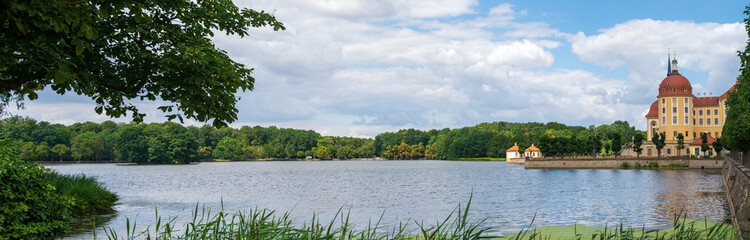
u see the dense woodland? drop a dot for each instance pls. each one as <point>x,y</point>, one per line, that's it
<point>173,143</point>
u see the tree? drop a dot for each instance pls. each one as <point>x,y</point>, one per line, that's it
<point>323,152</point>
<point>28,151</point>
<point>680,143</point>
<point>43,151</point>
<point>133,144</point>
<point>718,145</point>
<point>737,126</point>
<point>637,142</point>
<point>61,151</point>
<point>658,140</point>
<point>616,144</point>
<point>204,152</point>
<point>227,148</point>
<point>114,52</point>
<point>83,146</point>
<point>704,143</point>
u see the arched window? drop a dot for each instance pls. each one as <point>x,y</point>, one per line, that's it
<point>663,90</point>
<point>684,89</point>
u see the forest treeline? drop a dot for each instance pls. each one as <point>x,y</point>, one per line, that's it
<point>170,142</point>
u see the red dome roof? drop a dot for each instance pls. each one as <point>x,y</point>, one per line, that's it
<point>675,84</point>
<point>654,110</point>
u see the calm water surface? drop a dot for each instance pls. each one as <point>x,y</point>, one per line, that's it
<point>507,195</point>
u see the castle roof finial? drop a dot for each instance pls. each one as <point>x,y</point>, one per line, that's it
<point>669,60</point>
<point>673,66</point>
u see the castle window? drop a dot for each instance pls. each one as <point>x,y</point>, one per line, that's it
<point>716,111</point>
<point>663,110</point>
<point>685,100</point>
<point>716,134</point>
<point>663,101</point>
<point>716,121</point>
<point>686,133</point>
<point>674,109</point>
<point>708,112</point>
<point>693,121</point>
<point>686,110</point>
<point>674,100</point>
<point>674,134</point>
<point>685,90</point>
<point>674,120</point>
<point>663,120</point>
<point>700,112</point>
<point>686,122</point>
<point>708,121</point>
<point>663,90</point>
<point>693,111</point>
<point>700,121</point>
<point>674,89</point>
<point>693,135</point>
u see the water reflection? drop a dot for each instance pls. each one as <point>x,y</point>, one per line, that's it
<point>507,195</point>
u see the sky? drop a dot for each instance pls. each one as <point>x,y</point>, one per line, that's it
<point>359,68</point>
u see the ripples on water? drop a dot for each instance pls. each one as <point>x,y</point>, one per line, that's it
<point>507,195</point>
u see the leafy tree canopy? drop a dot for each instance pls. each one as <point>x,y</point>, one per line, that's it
<point>737,126</point>
<point>117,51</point>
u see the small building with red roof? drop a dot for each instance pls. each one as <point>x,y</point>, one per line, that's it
<point>695,146</point>
<point>532,152</point>
<point>512,152</point>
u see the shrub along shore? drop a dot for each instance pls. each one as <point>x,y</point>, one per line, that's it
<point>36,203</point>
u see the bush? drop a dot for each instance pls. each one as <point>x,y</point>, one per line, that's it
<point>88,195</point>
<point>625,165</point>
<point>29,206</point>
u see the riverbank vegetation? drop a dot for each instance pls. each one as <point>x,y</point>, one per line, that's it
<point>170,142</point>
<point>267,224</point>
<point>36,203</point>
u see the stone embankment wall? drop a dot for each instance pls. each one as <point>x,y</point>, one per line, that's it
<point>515,160</point>
<point>602,163</point>
<point>737,185</point>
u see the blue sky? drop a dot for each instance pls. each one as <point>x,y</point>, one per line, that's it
<point>359,68</point>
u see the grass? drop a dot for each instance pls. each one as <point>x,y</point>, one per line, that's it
<point>477,159</point>
<point>88,195</point>
<point>266,224</point>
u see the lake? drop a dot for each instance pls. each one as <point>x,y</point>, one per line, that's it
<point>509,196</point>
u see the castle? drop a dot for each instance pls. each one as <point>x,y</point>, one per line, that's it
<point>676,110</point>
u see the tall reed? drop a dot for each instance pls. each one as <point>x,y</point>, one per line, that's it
<point>266,224</point>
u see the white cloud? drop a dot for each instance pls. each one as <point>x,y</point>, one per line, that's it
<point>641,46</point>
<point>359,68</point>
<point>521,54</point>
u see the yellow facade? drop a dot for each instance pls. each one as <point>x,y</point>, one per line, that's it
<point>677,110</point>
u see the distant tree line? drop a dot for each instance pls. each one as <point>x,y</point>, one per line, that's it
<point>170,142</point>
<point>492,139</point>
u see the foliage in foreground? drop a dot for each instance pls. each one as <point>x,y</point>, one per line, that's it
<point>38,204</point>
<point>117,51</point>
<point>86,193</point>
<point>738,103</point>
<point>265,224</point>
<point>29,206</point>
